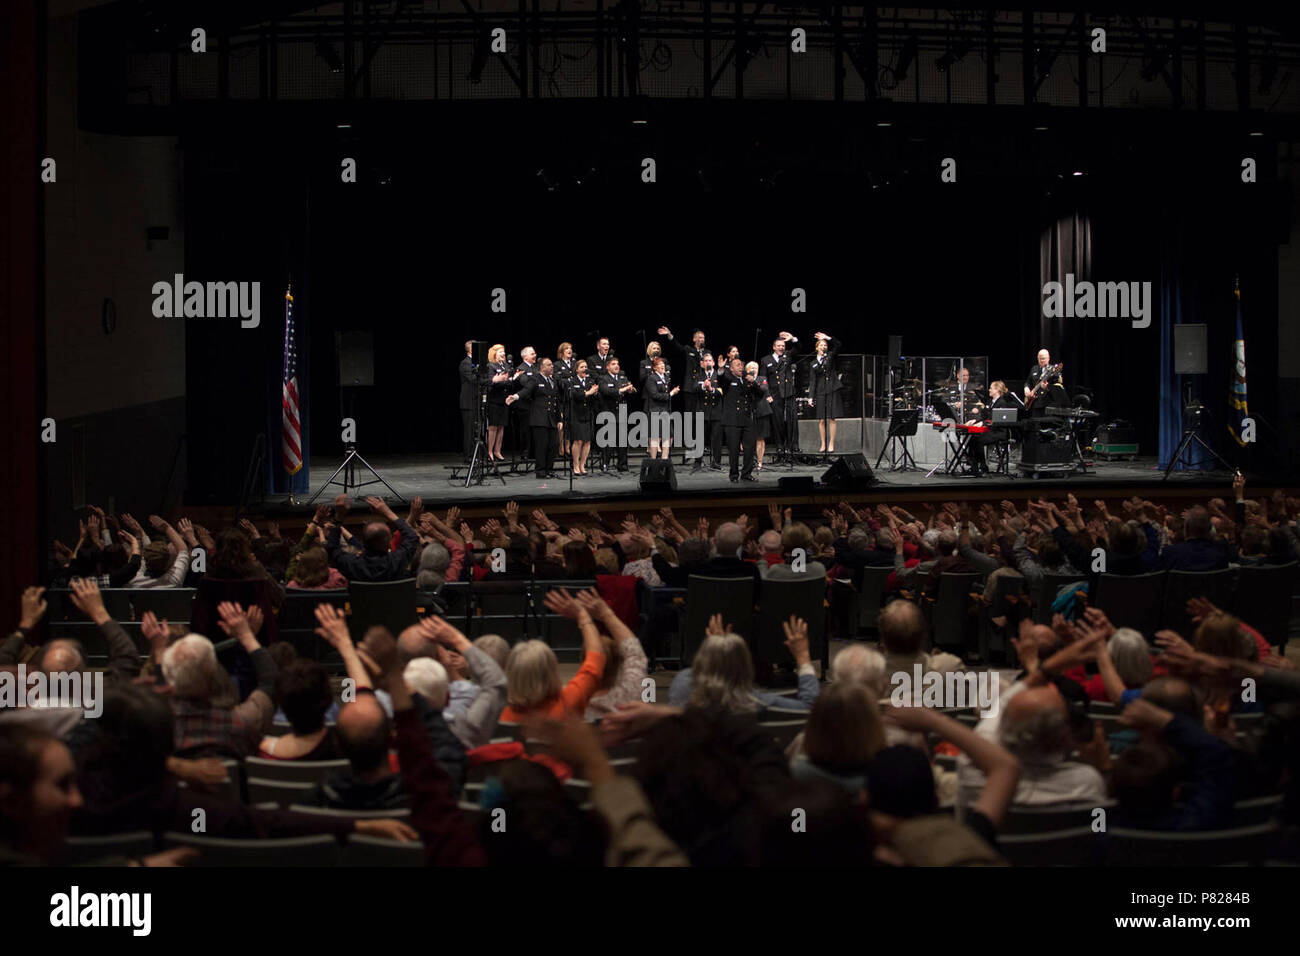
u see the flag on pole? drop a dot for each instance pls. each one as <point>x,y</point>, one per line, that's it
<point>1238,412</point>
<point>290,428</point>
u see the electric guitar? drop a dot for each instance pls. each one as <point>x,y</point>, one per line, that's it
<point>1042,386</point>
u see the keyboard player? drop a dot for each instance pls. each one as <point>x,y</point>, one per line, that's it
<point>998,398</point>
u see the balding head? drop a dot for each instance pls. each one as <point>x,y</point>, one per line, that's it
<point>728,539</point>
<point>363,733</point>
<point>1036,726</point>
<point>61,656</point>
<point>902,628</point>
<point>413,643</point>
<point>770,542</point>
<point>859,664</point>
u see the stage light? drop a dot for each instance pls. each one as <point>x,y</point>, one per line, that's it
<point>1256,133</point>
<point>1077,172</point>
<point>1267,72</point>
<point>330,55</point>
<point>884,124</point>
<point>547,180</point>
<point>482,47</point>
<point>1040,129</point>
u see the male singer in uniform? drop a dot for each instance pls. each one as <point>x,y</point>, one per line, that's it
<point>740,398</point>
<point>778,369</point>
<point>469,401</point>
<point>615,390</point>
<point>543,399</point>
<point>523,375</point>
<point>708,400</point>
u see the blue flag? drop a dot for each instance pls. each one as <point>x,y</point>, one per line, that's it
<point>1238,412</point>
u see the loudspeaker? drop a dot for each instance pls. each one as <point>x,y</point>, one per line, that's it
<point>895,351</point>
<point>356,357</point>
<point>478,350</point>
<point>849,473</point>
<point>1190,357</point>
<point>657,475</point>
<point>796,484</point>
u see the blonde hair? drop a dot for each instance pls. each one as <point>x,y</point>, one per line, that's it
<point>532,675</point>
<point>650,349</point>
<point>495,354</point>
<point>1000,385</point>
<point>559,353</point>
<point>751,367</point>
<point>722,675</point>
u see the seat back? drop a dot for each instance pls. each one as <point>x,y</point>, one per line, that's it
<point>282,793</point>
<point>1077,846</point>
<point>780,599</point>
<point>298,621</point>
<point>167,604</point>
<point>88,849</point>
<point>1257,810</point>
<point>1131,600</point>
<point>952,625</point>
<point>1181,585</point>
<point>246,592</point>
<point>1050,818</point>
<point>782,731</point>
<point>1249,845</point>
<point>733,598</point>
<point>871,583</point>
<point>377,851</point>
<point>1263,599</point>
<point>398,813</point>
<point>501,607</point>
<point>306,851</point>
<point>388,604</point>
<point>299,771</point>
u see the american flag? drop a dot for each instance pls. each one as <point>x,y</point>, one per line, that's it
<point>290,430</point>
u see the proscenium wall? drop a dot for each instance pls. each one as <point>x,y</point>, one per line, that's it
<point>117,399</point>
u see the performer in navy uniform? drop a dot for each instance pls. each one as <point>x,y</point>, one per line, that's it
<point>1053,390</point>
<point>583,391</point>
<point>975,449</point>
<point>565,363</point>
<point>469,383</point>
<point>764,417</point>
<point>500,385</point>
<point>659,394</point>
<point>526,370</point>
<point>614,391</point>
<point>828,403</point>
<point>691,354</point>
<point>708,391</point>
<point>543,397</point>
<point>652,352</point>
<point>778,368</point>
<point>596,363</point>
<point>741,395</point>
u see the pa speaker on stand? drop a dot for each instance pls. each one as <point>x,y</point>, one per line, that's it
<point>850,473</point>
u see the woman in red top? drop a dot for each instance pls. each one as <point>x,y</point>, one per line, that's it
<point>533,673</point>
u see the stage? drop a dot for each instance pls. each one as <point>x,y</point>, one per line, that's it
<point>430,477</point>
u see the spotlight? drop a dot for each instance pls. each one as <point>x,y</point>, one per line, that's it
<point>547,180</point>
<point>1267,72</point>
<point>330,55</point>
<point>482,46</point>
<point>1077,172</point>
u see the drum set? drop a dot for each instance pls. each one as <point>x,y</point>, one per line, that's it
<point>911,393</point>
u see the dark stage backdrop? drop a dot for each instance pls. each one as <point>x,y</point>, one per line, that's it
<point>413,251</point>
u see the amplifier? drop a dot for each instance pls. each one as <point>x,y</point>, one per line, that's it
<point>1116,440</point>
<point>1047,446</point>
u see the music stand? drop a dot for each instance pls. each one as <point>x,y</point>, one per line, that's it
<point>902,426</point>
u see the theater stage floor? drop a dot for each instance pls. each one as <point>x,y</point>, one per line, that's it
<point>430,477</point>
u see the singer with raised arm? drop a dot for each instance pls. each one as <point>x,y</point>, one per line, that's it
<point>499,389</point>
<point>827,401</point>
<point>1043,386</point>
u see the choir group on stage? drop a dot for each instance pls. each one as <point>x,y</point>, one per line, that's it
<point>553,403</point>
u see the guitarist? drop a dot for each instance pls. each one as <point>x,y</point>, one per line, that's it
<point>1043,386</point>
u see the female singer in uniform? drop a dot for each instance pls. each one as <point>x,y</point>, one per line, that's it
<point>564,366</point>
<point>498,373</point>
<point>659,393</point>
<point>827,401</point>
<point>763,417</point>
<point>582,390</point>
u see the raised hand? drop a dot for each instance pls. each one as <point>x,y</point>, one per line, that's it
<point>86,596</point>
<point>511,513</point>
<point>248,528</point>
<point>416,509</point>
<point>33,607</point>
<point>333,626</point>
<point>234,621</point>
<point>715,626</point>
<point>796,638</point>
<point>562,602</point>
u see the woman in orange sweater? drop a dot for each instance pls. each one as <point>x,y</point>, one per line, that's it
<point>533,673</point>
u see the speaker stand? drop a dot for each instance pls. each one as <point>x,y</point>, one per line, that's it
<point>348,468</point>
